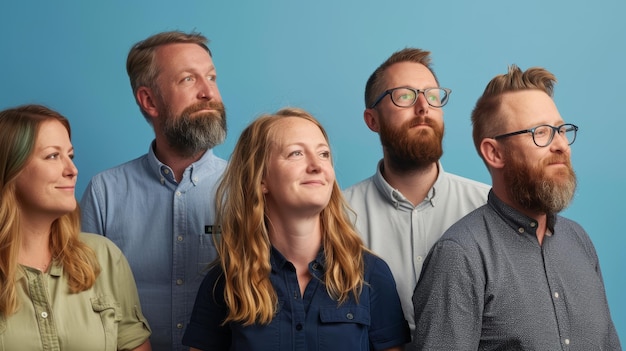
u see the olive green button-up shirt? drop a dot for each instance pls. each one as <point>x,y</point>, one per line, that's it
<point>106,317</point>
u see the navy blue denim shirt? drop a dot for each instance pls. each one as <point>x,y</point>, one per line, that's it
<point>314,321</point>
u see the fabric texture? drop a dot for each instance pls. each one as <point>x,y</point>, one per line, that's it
<point>401,233</point>
<point>489,285</point>
<point>106,317</point>
<point>313,321</point>
<point>165,230</point>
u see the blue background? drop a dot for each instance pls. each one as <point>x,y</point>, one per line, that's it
<point>70,55</point>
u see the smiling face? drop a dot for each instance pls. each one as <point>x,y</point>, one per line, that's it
<point>46,184</point>
<point>299,176</point>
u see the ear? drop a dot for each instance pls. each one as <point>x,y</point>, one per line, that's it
<point>492,153</point>
<point>264,187</point>
<point>145,99</point>
<point>370,116</point>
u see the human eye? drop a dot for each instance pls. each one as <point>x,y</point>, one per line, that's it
<point>403,95</point>
<point>52,156</point>
<point>433,95</point>
<point>295,153</point>
<point>212,77</point>
<point>325,154</point>
<point>187,79</point>
<point>542,132</point>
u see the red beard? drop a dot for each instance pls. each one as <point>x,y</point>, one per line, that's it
<point>539,188</point>
<point>410,149</point>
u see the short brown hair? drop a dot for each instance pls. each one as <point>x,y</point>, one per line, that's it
<point>140,63</point>
<point>374,85</point>
<point>486,119</point>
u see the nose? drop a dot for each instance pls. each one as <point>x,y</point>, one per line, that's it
<point>70,168</point>
<point>559,142</point>
<point>421,105</point>
<point>208,89</point>
<point>314,164</point>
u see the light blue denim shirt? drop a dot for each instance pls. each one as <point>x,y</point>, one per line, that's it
<point>164,229</point>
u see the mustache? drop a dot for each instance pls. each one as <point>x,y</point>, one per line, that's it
<point>558,159</point>
<point>423,120</point>
<point>203,105</point>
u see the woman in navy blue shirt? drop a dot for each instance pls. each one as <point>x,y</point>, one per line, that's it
<point>292,274</point>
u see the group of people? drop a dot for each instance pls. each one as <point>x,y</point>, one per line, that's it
<point>267,252</point>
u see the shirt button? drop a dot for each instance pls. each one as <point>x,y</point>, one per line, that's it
<point>179,325</point>
<point>298,327</point>
<point>166,171</point>
<point>350,316</point>
<point>521,230</point>
<point>566,341</point>
<point>44,314</point>
<point>180,238</point>
<point>419,258</point>
<point>556,295</point>
<point>533,224</point>
<point>178,193</point>
<point>179,282</point>
<point>315,266</point>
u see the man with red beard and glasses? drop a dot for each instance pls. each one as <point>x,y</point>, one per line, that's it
<point>410,201</point>
<point>513,274</point>
<point>159,208</point>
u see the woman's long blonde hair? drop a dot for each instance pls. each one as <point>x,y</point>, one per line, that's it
<point>18,133</point>
<point>244,245</point>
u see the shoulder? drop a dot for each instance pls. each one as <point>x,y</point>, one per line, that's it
<point>465,182</point>
<point>358,188</point>
<point>102,246</point>
<point>375,265</point>
<point>120,171</point>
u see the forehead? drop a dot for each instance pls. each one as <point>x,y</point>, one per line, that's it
<point>527,108</point>
<point>298,130</point>
<point>51,132</point>
<point>181,56</point>
<point>410,74</point>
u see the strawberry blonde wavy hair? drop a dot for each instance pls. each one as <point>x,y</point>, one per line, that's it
<point>18,133</point>
<point>244,245</point>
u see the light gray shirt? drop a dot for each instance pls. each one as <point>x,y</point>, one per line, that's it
<point>401,233</point>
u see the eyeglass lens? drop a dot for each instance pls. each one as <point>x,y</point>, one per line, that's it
<point>405,97</point>
<point>543,135</point>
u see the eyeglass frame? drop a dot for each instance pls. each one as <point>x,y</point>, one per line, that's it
<point>417,94</point>
<point>554,130</point>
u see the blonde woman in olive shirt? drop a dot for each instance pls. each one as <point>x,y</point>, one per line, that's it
<point>59,289</point>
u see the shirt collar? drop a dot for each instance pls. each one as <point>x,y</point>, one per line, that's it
<point>194,172</point>
<point>515,219</point>
<point>279,262</point>
<point>395,197</point>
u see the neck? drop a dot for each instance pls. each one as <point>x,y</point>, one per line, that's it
<point>413,184</point>
<point>177,162</point>
<point>35,247</point>
<point>298,240</point>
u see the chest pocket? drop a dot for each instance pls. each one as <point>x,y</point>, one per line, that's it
<point>344,328</point>
<point>109,311</point>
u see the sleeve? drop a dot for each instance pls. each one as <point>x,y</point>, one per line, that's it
<point>448,300</point>
<point>133,328</point>
<point>388,326</point>
<point>91,209</point>
<point>205,330</point>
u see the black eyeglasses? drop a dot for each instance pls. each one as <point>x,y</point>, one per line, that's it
<point>406,97</point>
<point>544,134</point>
